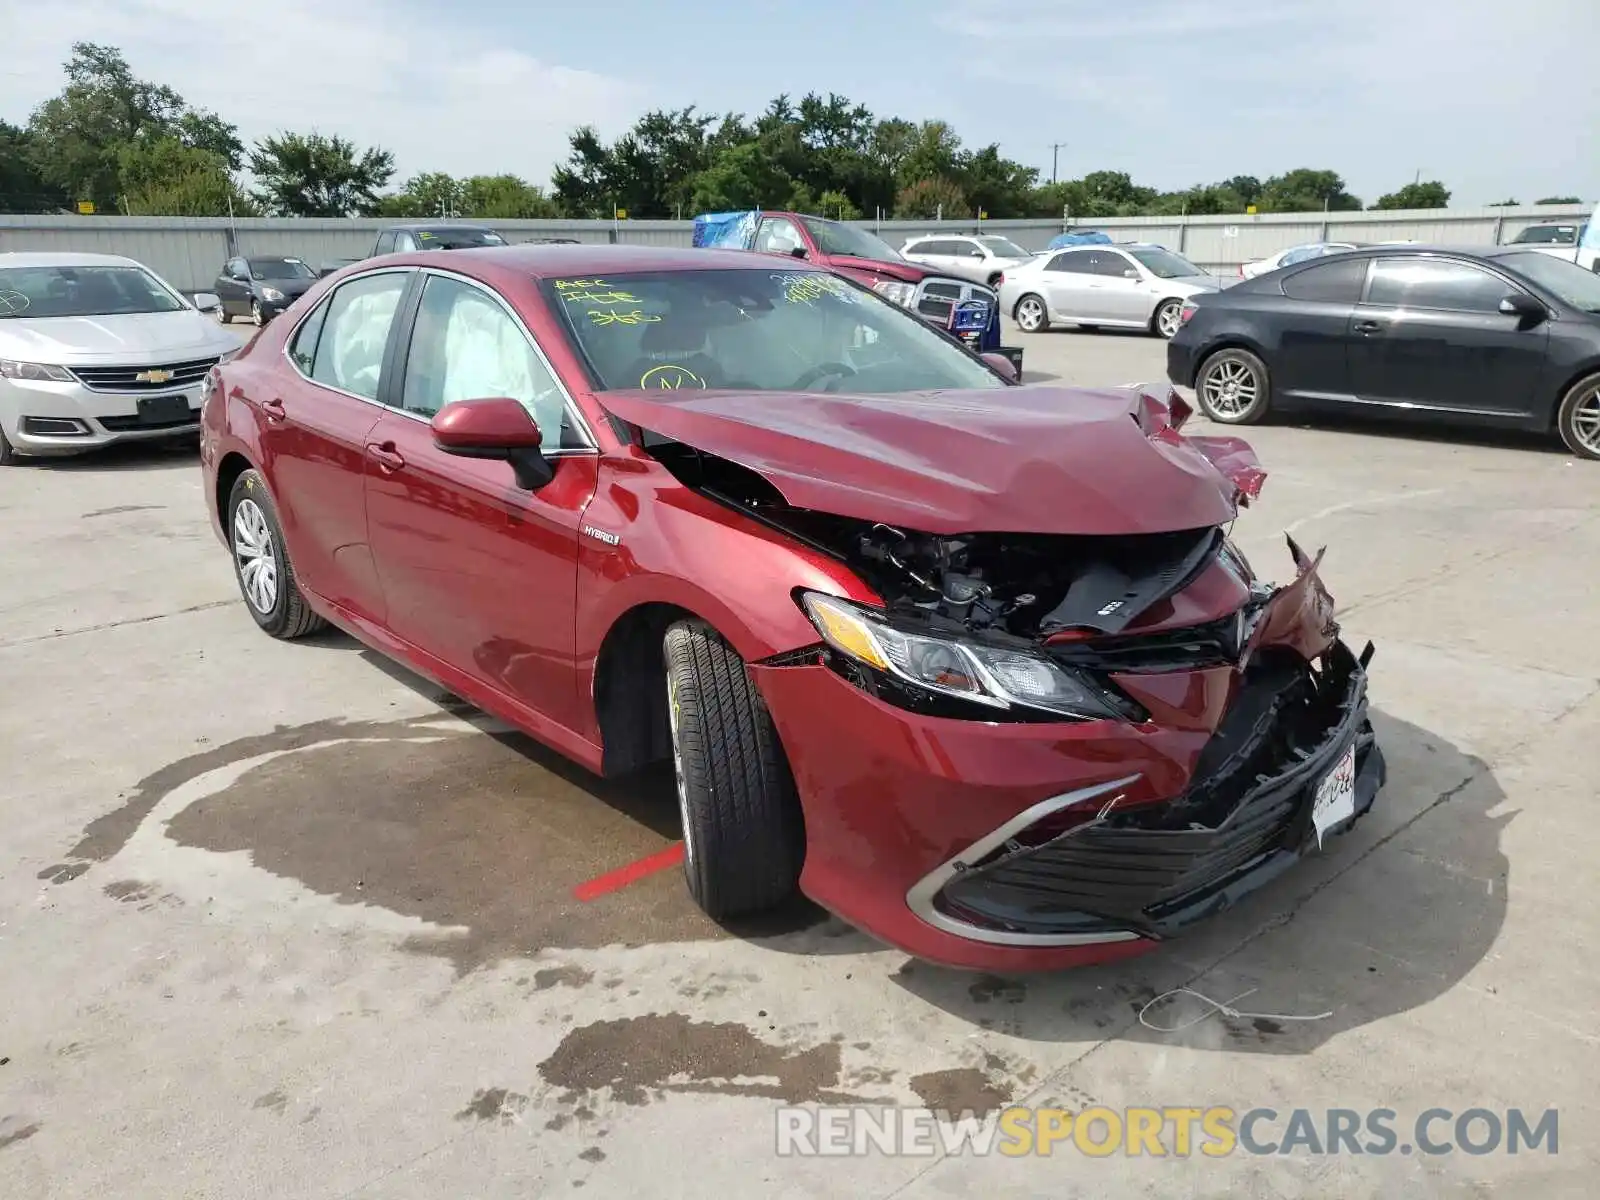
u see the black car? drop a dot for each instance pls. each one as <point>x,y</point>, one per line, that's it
<point>261,288</point>
<point>1495,336</point>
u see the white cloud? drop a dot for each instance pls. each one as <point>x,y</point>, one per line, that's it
<point>442,93</point>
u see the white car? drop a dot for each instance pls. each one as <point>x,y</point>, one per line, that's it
<point>980,258</point>
<point>1133,285</point>
<point>1290,256</point>
<point>96,349</point>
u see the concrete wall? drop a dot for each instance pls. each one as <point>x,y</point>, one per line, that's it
<point>189,252</point>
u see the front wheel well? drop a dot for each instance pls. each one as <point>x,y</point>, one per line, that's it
<point>232,466</point>
<point>630,689</point>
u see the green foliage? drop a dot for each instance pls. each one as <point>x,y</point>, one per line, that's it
<point>1306,190</point>
<point>485,197</point>
<point>23,187</point>
<point>1560,200</point>
<point>1429,194</point>
<point>929,199</point>
<point>309,175</point>
<point>163,177</point>
<point>1513,203</point>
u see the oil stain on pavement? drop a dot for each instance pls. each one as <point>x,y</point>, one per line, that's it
<point>483,832</point>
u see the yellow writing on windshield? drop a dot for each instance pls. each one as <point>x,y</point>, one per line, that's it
<point>612,317</point>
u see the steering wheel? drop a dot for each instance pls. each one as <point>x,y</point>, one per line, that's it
<point>821,371</point>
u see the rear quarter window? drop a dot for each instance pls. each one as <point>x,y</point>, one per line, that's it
<point>1336,282</point>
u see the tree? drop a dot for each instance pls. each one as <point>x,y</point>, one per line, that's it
<point>1306,190</point>
<point>996,185</point>
<point>930,199</point>
<point>309,175</point>
<point>838,206</point>
<point>1560,200</point>
<point>78,136</point>
<point>1425,194</point>
<point>23,189</point>
<point>1246,187</point>
<point>505,198</point>
<point>1505,204</point>
<point>162,177</point>
<point>743,177</point>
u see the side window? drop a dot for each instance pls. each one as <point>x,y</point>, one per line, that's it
<point>236,269</point>
<point>1074,262</point>
<point>355,332</point>
<point>1337,282</point>
<point>465,346</point>
<point>966,249</point>
<point>1429,283</point>
<point>778,235</point>
<point>1106,263</point>
<point>404,242</point>
<point>385,243</point>
<point>303,349</point>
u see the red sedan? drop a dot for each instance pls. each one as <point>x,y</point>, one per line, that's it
<point>973,665</point>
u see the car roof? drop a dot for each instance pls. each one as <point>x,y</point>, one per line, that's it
<point>60,258</point>
<point>546,261</point>
<point>417,226</point>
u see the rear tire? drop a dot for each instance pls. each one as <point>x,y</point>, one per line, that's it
<point>743,837</point>
<point>1031,314</point>
<point>256,317</point>
<point>1233,387</point>
<point>1164,322</point>
<point>261,562</point>
<point>1578,418</point>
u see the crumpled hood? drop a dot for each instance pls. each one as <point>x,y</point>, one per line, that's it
<point>133,338</point>
<point>1036,459</point>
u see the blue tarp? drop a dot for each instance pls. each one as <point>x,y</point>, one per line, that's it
<point>727,230</point>
<point>1079,237</point>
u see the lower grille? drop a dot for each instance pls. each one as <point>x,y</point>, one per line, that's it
<point>122,424</point>
<point>156,376</point>
<point>1158,866</point>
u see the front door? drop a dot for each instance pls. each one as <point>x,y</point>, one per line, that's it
<point>1114,293</point>
<point>1430,334</point>
<point>477,571</point>
<point>314,434</point>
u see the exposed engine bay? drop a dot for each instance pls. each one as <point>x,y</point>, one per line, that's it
<point>1030,586</point>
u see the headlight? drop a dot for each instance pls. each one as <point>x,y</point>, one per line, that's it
<point>25,370</point>
<point>271,294</point>
<point>896,292</point>
<point>991,676</point>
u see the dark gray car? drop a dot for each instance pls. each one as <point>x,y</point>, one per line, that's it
<point>261,288</point>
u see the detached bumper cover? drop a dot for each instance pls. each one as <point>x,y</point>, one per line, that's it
<point>1149,871</point>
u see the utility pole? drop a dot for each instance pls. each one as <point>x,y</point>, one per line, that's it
<point>1055,159</point>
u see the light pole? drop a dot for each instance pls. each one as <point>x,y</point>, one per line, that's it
<point>1055,158</point>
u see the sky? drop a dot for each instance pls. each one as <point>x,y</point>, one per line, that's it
<point>1496,100</point>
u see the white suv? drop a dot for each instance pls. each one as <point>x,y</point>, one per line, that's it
<point>982,258</point>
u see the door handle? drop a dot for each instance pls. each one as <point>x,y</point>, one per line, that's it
<point>274,410</point>
<point>386,456</point>
<point>1368,326</point>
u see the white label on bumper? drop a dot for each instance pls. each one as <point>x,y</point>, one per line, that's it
<point>1336,795</point>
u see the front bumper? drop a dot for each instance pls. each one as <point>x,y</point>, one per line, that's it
<point>934,835</point>
<point>51,418</point>
<point>1180,362</point>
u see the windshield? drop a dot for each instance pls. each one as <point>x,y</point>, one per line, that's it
<point>1004,247</point>
<point>1164,264</point>
<point>1559,235</point>
<point>457,239</point>
<point>1570,283</point>
<point>280,268</point>
<point>758,331</point>
<point>82,292</point>
<point>834,238</point>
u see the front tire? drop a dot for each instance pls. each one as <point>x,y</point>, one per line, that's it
<point>261,562</point>
<point>256,317</point>
<point>1166,322</point>
<point>743,838</point>
<point>1578,418</point>
<point>1233,387</point>
<point>8,453</point>
<point>1031,314</point>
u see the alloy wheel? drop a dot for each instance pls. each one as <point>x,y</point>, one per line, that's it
<point>1030,314</point>
<point>677,768</point>
<point>255,312</point>
<point>256,556</point>
<point>1167,322</point>
<point>1230,388</point>
<point>1586,421</point>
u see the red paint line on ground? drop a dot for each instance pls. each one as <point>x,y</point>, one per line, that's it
<point>612,881</point>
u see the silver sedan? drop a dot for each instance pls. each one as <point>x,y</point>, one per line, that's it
<point>980,258</point>
<point>1130,286</point>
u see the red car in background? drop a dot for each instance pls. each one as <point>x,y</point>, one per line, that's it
<point>972,665</point>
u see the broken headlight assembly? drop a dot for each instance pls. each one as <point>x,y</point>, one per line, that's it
<point>984,681</point>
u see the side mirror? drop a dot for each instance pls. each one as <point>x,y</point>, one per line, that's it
<point>1524,307</point>
<point>975,254</point>
<point>1001,365</point>
<point>207,301</point>
<point>1130,273</point>
<point>498,428</point>
<point>798,251</point>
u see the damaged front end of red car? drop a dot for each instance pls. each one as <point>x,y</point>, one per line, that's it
<point>1050,746</point>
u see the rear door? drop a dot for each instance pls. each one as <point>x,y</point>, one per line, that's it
<point>477,571</point>
<point>1066,279</point>
<point>314,436</point>
<point>1311,358</point>
<point>1429,334</point>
